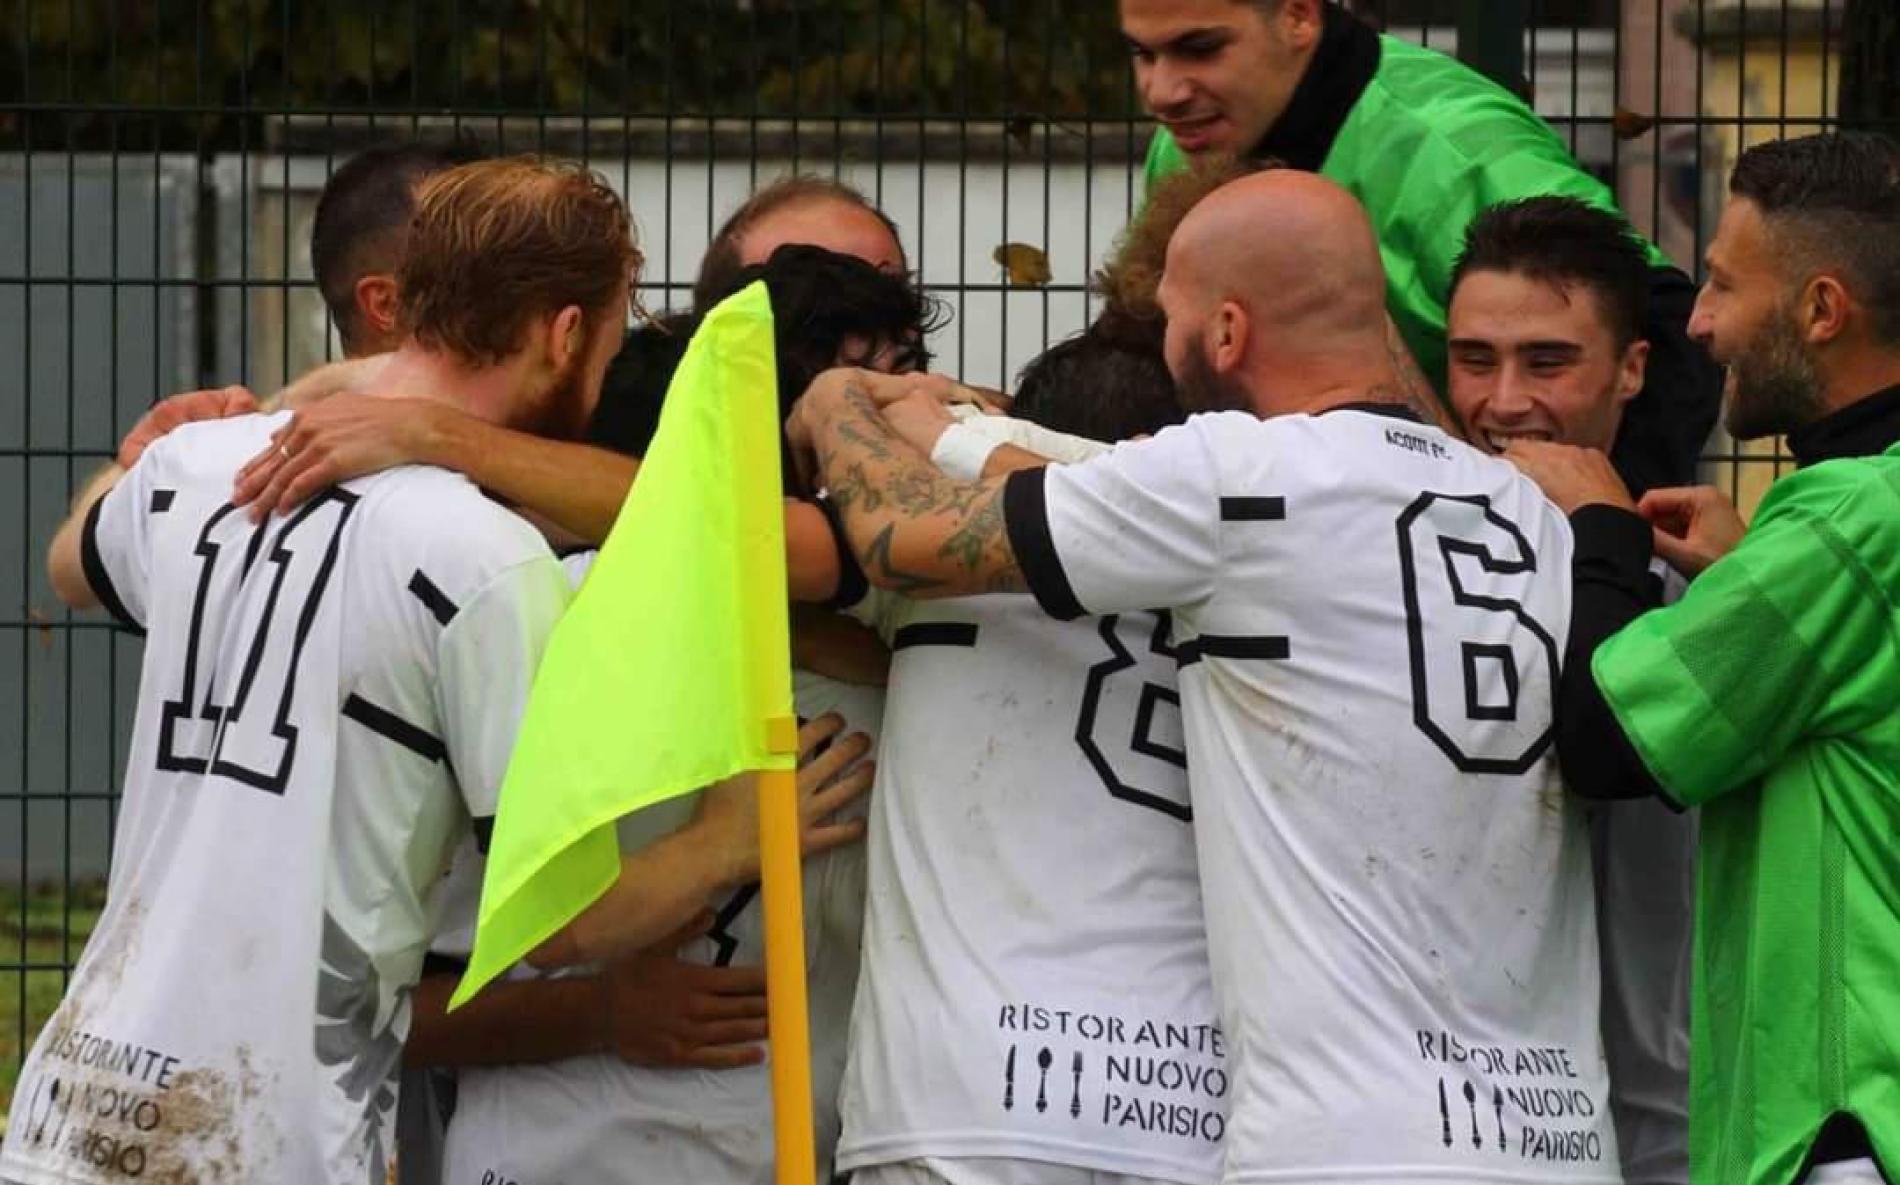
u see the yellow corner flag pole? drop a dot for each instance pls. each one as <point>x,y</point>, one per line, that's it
<point>782,886</point>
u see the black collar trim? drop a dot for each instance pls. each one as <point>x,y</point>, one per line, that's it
<point>1343,65</point>
<point>1861,429</point>
<point>1394,411</point>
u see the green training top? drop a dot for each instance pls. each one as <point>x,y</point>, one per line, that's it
<point>1426,146</point>
<point>1770,695</point>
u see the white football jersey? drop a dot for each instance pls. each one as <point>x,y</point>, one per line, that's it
<point>325,702</point>
<point>1369,615</point>
<point>1644,854</point>
<point>600,1120</point>
<point>1035,980</point>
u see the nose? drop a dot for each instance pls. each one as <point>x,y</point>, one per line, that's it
<point>1512,393</point>
<point>1701,320</point>
<point>1165,87</point>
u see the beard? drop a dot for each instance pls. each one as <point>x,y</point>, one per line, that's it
<point>563,410</point>
<point>1772,384</point>
<point>1200,389</point>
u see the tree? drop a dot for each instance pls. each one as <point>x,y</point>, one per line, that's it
<point>201,72</point>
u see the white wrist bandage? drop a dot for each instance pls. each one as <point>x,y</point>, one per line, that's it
<point>962,451</point>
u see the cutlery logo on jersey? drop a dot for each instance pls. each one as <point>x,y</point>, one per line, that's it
<point>1097,1069</point>
<point>1523,1102</point>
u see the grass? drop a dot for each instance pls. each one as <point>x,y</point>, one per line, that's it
<point>34,931</point>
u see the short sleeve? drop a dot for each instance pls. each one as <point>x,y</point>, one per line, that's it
<point>577,564</point>
<point>115,547</point>
<point>1784,639</point>
<point>1135,528</point>
<point>485,664</point>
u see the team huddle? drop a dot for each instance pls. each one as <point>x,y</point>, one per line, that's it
<point>1308,731</point>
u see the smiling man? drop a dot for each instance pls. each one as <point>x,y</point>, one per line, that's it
<point>1425,144</point>
<point>1547,305</point>
<point>1766,694</point>
<point>1545,324</point>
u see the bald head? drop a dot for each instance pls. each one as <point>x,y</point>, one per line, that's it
<point>1276,276</point>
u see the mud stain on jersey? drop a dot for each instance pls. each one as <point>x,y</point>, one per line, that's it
<point>204,1140</point>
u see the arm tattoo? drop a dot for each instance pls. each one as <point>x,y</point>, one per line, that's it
<point>982,544</point>
<point>888,494</point>
<point>877,557</point>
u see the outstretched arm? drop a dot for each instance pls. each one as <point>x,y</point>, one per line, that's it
<point>915,531</point>
<point>578,487</point>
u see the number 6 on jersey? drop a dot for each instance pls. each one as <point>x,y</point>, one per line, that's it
<point>1484,671</point>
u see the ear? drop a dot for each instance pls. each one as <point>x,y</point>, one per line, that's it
<point>1301,22</point>
<point>1826,306</point>
<point>376,304</point>
<point>567,337</point>
<point>1631,371</point>
<point>1228,330</point>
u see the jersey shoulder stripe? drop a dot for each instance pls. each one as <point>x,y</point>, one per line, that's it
<point>1266,647</point>
<point>438,603</point>
<point>1252,509</point>
<point>935,633</point>
<point>387,724</point>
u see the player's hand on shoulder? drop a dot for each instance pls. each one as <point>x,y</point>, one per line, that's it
<point>1694,526</point>
<point>666,1012</point>
<point>177,410</point>
<point>331,441</point>
<point>1571,477</point>
<point>832,773</point>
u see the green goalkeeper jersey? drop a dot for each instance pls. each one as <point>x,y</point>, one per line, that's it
<point>1426,146</point>
<point>1770,696</point>
<point>1426,143</point>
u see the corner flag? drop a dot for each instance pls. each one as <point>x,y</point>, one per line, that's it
<point>671,669</point>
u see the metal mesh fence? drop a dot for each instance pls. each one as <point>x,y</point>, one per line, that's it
<point>159,164</point>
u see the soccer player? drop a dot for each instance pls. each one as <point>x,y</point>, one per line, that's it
<point>598,1118</point>
<point>1767,694</point>
<point>327,700</point>
<point>1425,143</point>
<point>800,208</point>
<point>1132,274</point>
<point>1367,614</point>
<point>1545,329</point>
<point>356,239</point>
<point>1035,1004</point>
<point>357,235</point>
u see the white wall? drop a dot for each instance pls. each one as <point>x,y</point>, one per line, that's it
<point>951,217</point>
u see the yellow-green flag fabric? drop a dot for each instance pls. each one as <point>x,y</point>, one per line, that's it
<point>663,673</point>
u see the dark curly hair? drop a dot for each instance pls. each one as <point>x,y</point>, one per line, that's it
<point>824,306</point>
<point>1102,383</point>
